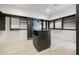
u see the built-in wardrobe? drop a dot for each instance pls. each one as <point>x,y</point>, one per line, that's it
<point>21,23</point>
<point>41,39</point>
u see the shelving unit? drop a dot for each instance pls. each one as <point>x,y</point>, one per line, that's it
<point>23,24</point>
<point>64,23</point>
<point>69,23</point>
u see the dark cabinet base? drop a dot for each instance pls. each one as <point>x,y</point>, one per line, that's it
<point>41,40</point>
<point>2,21</point>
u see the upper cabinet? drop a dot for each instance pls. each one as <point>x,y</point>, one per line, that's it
<point>64,23</point>
<point>18,23</point>
<point>44,24</point>
<point>2,21</point>
<point>23,24</point>
<point>51,25</point>
<point>58,24</point>
<point>69,22</point>
<point>14,23</point>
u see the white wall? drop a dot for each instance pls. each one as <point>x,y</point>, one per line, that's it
<point>17,11</point>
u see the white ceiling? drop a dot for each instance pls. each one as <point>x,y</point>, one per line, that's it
<point>41,8</point>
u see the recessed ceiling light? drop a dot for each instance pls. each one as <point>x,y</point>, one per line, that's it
<point>55,4</point>
<point>48,10</point>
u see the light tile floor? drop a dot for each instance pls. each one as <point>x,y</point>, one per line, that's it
<point>25,47</point>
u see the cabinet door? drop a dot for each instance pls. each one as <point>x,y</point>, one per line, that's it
<point>44,24</point>
<point>51,25</point>
<point>2,22</point>
<point>15,23</point>
<point>29,27</point>
<point>58,24</point>
<point>23,24</point>
<point>69,23</point>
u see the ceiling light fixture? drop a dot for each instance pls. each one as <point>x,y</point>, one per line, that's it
<point>48,10</point>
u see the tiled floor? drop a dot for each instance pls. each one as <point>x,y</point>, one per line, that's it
<point>25,47</point>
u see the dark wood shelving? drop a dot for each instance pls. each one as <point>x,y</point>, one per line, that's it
<point>2,21</point>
